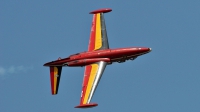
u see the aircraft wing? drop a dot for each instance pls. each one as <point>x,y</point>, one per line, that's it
<point>98,35</point>
<point>91,79</point>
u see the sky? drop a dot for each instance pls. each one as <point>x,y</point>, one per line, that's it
<point>164,80</point>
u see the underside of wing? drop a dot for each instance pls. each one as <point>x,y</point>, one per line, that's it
<point>91,79</point>
<point>98,35</point>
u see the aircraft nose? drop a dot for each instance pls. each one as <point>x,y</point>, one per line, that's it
<point>145,49</point>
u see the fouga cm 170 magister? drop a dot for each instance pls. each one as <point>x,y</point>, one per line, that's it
<point>95,59</point>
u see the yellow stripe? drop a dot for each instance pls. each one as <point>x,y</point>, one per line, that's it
<point>98,41</point>
<point>55,79</point>
<point>90,82</point>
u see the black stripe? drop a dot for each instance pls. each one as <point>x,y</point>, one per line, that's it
<point>58,77</point>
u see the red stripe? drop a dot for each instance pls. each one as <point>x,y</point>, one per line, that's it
<point>52,79</point>
<point>85,81</point>
<point>92,34</point>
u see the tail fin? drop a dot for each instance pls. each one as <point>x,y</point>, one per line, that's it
<point>55,74</point>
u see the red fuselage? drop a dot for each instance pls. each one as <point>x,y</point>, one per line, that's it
<point>107,55</point>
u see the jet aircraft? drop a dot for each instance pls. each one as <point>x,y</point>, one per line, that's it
<point>95,60</point>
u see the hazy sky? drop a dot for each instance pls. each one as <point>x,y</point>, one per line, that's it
<point>164,80</point>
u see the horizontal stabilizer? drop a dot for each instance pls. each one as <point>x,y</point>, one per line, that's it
<point>55,74</point>
<point>90,105</point>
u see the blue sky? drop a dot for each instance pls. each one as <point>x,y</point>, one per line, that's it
<point>165,80</point>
